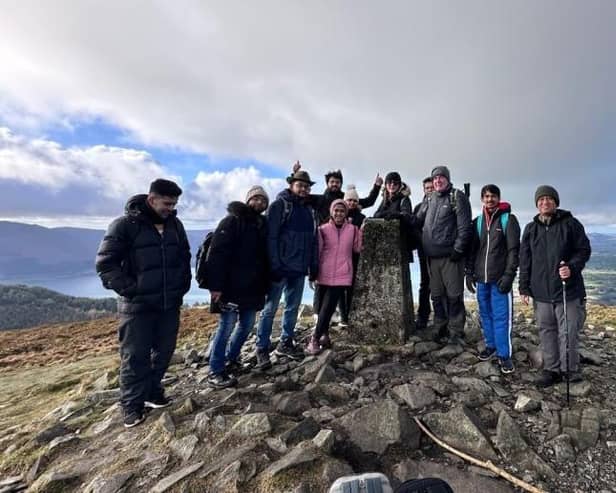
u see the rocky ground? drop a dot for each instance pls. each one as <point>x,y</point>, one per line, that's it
<point>299,426</point>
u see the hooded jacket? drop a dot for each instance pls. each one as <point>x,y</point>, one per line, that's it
<point>336,248</point>
<point>150,271</point>
<point>237,261</point>
<point>446,223</point>
<point>399,207</point>
<point>292,240</point>
<point>543,248</point>
<point>494,253</point>
<point>322,203</point>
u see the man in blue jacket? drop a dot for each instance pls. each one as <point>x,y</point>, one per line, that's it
<point>293,255</point>
<point>490,270</point>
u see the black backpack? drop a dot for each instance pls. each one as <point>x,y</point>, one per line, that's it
<point>425,485</point>
<point>200,263</point>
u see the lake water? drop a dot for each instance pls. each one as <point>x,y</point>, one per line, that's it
<point>89,286</point>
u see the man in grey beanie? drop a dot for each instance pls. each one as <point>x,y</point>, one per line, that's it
<point>445,215</point>
<point>553,253</point>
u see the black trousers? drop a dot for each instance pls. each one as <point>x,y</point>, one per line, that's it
<point>329,297</point>
<point>147,342</point>
<point>423,312</point>
<point>346,297</point>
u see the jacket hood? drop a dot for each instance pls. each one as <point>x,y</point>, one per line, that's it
<point>137,206</point>
<point>405,191</point>
<point>240,209</point>
<point>502,207</point>
<point>287,194</point>
<point>559,215</point>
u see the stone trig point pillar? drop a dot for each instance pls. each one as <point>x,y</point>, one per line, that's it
<point>382,309</point>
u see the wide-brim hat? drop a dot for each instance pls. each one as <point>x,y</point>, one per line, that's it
<point>300,175</point>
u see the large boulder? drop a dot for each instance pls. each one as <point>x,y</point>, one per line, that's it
<point>375,427</point>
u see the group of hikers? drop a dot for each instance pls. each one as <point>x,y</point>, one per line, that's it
<point>261,251</point>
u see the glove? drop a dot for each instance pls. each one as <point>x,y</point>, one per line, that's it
<point>471,283</point>
<point>456,256</point>
<point>504,284</point>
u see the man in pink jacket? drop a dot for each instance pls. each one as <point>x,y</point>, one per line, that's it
<point>338,239</point>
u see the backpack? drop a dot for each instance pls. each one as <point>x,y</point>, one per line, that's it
<point>424,485</point>
<point>372,482</point>
<point>200,262</point>
<point>504,220</point>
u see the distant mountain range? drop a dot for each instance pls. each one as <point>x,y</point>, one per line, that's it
<point>35,252</point>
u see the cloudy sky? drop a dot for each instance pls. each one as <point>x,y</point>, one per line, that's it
<point>99,98</point>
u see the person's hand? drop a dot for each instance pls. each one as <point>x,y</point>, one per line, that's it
<point>215,296</point>
<point>564,271</point>
<point>456,256</point>
<point>504,284</point>
<point>296,166</point>
<point>471,284</point>
<point>378,181</point>
<point>525,299</point>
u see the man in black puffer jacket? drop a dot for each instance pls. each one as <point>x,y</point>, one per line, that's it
<point>238,279</point>
<point>553,252</point>
<point>445,216</point>
<point>145,258</point>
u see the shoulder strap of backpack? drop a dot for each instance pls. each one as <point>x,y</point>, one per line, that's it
<point>504,221</point>
<point>286,212</point>
<point>479,224</point>
<point>453,199</point>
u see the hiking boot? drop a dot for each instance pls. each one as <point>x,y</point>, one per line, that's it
<point>313,346</point>
<point>548,378</point>
<point>133,418</point>
<point>263,361</point>
<point>221,380</point>
<point>325,342</point>
<point>157,402</point>
<point>234,368</point>
<point>289,349</point>
<point>487,354</point>
<point>574,376</point>
<point>455,341</point>
<point>506,365</point>
<point>441,334</point>
<point>421,324</point>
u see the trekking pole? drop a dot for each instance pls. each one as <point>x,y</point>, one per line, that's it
<point>564,283</point>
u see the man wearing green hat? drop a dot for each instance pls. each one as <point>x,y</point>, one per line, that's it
<point>553,253</point>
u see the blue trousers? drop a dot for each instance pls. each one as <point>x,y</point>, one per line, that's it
<point>496,312</point>
<point>293,288</point>
<point>224,349</point>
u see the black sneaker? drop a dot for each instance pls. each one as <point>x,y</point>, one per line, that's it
<point>263,361</point>
<point>133,418</point>
<point>157,402</point>
<point>221,380</point>
<point>289,349</point>
<point>487,354</point>
<point>506,365</point>
<point>548,378</point>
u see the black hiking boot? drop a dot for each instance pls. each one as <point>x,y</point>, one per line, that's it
<point>548,378</point>
<point>221,380</point>
<point>263,361</point>
<point>157,402</point>
<point>133,418</point>
<point>289,349</point>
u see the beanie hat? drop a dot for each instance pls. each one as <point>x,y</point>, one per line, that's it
<point>338,202</point>
<point>351,193</point>
<point>333,174</point>
<point>393,176</point>
<point>441,171</point>
<point>549,191</point>
<point>256,191</point>
<point>166,188</point>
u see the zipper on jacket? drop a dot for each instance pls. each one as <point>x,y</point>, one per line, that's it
<point>488,224</point>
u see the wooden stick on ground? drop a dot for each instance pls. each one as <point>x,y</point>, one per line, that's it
<point>485,464</point>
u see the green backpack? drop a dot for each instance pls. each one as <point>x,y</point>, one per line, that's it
<point>504,220</point>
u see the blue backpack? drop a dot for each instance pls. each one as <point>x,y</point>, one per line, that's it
<point>504,220</point>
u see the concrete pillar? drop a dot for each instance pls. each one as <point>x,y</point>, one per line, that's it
<point>382,310</point>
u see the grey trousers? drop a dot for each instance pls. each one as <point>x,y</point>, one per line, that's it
<point>551,322</point>
<point>447,290</point>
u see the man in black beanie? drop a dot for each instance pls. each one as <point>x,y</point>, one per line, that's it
<point>145,258</point>
<point>553,253</point>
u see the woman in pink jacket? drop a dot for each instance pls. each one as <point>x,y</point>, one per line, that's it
<point>338,239</point>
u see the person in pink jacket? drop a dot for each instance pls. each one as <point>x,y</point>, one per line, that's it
<point>338,239</point>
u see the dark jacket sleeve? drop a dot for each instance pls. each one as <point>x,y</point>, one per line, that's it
<point>471,259</point>
<point>525,262</point>
<point>113,253</point>
<point>371,198</point>
<point>513,247</point>
<point>221,253</point>
<point>420,213</point>
<point>381,211</point>
<point>406,212</point>
<point>274,223</point>
<point>581,247</point>
<point>185,253</point>
<point>464,224</point>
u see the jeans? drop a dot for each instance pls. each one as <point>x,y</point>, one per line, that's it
<point>224,349</point>
<point>293,288</point>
